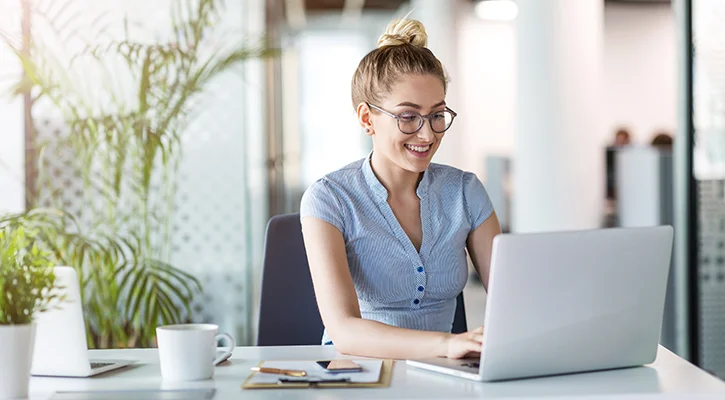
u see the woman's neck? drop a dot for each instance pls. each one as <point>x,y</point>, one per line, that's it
<point>396,180</point>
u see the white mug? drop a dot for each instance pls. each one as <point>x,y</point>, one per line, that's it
<point>187,352</point>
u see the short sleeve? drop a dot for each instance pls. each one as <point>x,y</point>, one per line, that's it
<point>320,202</point>
<point>478,204</point>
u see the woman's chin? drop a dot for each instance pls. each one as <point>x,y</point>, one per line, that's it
<point>418,165</point>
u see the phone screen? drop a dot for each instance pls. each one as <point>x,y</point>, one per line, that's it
<point>340,366</point>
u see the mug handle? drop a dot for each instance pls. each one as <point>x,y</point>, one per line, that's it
<point>228,351</point>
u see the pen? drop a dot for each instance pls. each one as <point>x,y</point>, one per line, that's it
<point>283,381</point>
<point>288,372</point>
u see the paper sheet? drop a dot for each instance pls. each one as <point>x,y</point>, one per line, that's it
<point>370,373</point>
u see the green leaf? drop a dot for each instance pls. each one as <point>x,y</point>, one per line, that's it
<point>26,271</point>
<point>138,296</point>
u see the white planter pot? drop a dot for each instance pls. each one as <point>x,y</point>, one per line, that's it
<point>16,355</point>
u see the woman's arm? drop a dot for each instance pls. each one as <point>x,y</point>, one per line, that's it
<point>480,246</point>
<point>340,311</point>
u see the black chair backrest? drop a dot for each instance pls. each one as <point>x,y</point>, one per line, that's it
<point>459,319</point>
<point>288,313</point>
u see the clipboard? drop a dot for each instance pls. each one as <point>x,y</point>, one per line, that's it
<point>383,381</point>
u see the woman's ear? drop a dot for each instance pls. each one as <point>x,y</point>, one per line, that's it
<point>364,117</point>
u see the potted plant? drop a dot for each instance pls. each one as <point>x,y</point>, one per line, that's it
<point>126,147</point>
<point>27,286</point>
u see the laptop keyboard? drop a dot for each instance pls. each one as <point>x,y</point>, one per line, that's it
<point>471,365</point>
<point>95,365</point>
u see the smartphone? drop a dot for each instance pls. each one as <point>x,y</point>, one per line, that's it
<point>340,366</point>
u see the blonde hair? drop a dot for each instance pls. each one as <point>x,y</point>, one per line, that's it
<point>401,50</point>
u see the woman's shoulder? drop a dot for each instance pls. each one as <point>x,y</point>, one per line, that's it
<point>326,198</point>
<point>466,186</point>
<point>339,180</point>
<point>341,177</point>
<point>351,170</point>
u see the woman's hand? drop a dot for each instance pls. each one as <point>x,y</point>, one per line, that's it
<point>464,345</point>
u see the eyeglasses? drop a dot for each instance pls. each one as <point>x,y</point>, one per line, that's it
<point>410,122</point>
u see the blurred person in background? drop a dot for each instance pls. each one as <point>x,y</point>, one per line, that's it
<point>622,138</point>
<point>662,140</point>
<point>386,236</point>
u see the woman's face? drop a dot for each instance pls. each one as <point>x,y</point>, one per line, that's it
<point>421,94</point>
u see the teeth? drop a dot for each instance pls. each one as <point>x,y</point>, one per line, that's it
<point>419,149</point>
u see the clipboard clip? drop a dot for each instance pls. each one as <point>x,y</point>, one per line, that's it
<point>311,382</point>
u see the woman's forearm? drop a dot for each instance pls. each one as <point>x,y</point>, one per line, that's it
<point>361,337</point>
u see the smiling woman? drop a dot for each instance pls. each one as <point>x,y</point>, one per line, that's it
<point>386,236</point>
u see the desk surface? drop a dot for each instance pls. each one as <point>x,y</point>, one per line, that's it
<point>669,377</point>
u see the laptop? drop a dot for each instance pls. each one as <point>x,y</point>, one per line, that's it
<point>60,336</point>
<point>569,302</point>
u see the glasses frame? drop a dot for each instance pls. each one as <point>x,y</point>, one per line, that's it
<point>422,121</point>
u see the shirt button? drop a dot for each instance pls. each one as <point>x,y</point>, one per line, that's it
<point>421,288</point>
<point>416,301</point>
<point>420,269</point>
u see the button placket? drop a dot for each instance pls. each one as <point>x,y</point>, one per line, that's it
<point>420,284</point>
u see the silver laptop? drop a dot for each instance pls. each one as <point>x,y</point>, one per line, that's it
<point>570,302</point>
<point>60,337</point>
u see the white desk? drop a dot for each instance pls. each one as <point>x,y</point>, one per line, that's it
<point>669,377</point>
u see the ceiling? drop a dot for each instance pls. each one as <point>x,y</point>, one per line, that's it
<point>280,7</point>
<point>639,1</point>
<point>331,5</point>
<point>295,11</point>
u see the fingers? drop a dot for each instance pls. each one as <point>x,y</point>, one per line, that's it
<point>469,349</point>
<point>465,344</point>
<point>474,342</point>
<point>476,334</point>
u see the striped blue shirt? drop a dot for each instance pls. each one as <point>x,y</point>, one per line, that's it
<point>396,284</point>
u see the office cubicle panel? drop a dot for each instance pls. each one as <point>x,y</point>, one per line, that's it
<point>711,274</point>
<point>498,177</point>
<point>704,106</point>
<point>644,187</point>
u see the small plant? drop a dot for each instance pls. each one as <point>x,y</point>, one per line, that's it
<point>27,281</point>
<point>117,284</point>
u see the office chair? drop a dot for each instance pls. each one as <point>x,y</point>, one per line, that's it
<point>286,280</point>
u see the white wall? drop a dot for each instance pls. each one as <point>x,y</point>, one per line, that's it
<point>639,78</point>
<point>486,80</point>
<point>639,69</point>
<point>557,158</point>
<point>326,65</point>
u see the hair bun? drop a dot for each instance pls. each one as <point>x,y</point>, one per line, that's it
<point>402,31</point>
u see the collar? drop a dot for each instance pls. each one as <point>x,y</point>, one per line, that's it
<point>379,189</point>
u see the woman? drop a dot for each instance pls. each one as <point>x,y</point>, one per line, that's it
<point>386,236</point>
